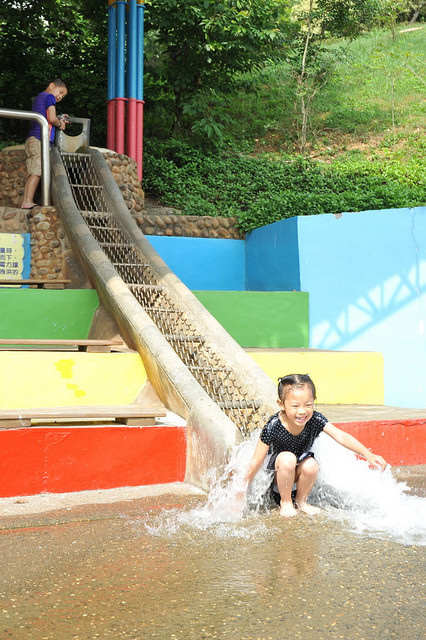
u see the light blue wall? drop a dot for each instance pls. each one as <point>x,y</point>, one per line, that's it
<point>204,263</point>
<point>366,277</point>
<point>272,257</point>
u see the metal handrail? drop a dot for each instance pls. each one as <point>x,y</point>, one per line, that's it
<point>45,146</point>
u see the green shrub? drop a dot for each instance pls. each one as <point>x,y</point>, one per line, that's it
<point>260,190</point>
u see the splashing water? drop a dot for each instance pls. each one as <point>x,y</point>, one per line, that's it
<point>347,489</point>
<point>372,502</point>
<point>223,512</point>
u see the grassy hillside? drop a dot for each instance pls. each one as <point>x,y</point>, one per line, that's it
<point>365,148</point>
<point>374,103</point>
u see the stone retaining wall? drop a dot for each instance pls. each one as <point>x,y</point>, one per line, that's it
<point>13,175</point>
<point>152,219</point>
<point>172,224</point>
<point>49,246</point>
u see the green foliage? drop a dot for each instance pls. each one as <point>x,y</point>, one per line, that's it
<point>208,114</point>
<point>44,39</point>
<point>408,10</point>
<point>261,190</point>
<point>198,46</point>
<point>346,18</point>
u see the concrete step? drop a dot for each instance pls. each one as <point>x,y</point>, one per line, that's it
<point>58,456</point>
<point>340,377</point>
<point>65,458</point>
<point>267,319</point>
<point>47,313</point>
<point>51,378</point>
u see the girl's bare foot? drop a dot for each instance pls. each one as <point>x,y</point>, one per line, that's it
<point>308,508</point>
<point>287,510</point>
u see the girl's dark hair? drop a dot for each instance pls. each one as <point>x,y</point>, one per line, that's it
<point>295,381</point>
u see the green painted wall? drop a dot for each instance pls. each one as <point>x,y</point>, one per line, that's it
<point>46,313</point>
<point>275,319</point>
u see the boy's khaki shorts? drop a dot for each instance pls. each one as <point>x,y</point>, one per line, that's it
<point>33,151</point>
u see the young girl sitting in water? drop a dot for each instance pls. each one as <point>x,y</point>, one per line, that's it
<point>288,437</point>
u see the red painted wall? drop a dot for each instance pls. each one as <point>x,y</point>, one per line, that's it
<point>400,442</point>
<point>60,460</point>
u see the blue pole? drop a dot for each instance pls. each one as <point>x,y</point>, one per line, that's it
<point>132,41</point>
<point>121,49</point>
<point>112,75</point>
<point>139,90</point>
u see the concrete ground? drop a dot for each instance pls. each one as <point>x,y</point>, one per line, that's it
<point>117,564</point>
<point>44,502</point>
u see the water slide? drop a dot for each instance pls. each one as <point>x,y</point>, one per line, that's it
<point>196,368</point>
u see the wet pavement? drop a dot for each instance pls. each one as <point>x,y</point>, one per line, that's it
<point>131,569</point>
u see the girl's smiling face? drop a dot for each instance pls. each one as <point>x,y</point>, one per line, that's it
<point>298,408</point>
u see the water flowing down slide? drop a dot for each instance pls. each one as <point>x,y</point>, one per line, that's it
<point>196,368</point>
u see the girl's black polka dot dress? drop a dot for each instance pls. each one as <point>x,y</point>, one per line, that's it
<point>279,439</point>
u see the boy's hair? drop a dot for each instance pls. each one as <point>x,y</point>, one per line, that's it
<point>295,381</point>
<point>58,82</point>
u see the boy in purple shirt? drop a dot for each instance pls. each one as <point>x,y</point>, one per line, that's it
<point>45,104</point>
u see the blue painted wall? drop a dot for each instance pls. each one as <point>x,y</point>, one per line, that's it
<point>272,257</point>
<point>204,263</point>
<point>366,274</point>
<point>366,278</point>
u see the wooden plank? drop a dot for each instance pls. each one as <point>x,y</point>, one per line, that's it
<point>131,415</point>
<point>35,282</point>
<point>93,346</point>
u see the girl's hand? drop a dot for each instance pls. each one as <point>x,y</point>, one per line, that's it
<point>239,502</point>
<point>377,461</point>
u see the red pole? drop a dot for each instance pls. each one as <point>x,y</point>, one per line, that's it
<point>131,128</point>
<point>111,128</point>
<point>139,138</point>
<point>120,124</point>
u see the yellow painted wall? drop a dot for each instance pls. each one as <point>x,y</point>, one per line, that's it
<point>55,379</point>
<point>339,377</point>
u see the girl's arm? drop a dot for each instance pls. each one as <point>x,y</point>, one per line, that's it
<point>354,445</point>
<point>256,461</point>
<point>254,466</point>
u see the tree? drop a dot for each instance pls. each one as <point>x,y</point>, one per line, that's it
<point>43,39</point>
<point>312,60</point>
<point>195,47</point>
<point>410,10</point>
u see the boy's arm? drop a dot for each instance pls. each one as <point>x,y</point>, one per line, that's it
<point>354,445</point>
<point>53,118</point>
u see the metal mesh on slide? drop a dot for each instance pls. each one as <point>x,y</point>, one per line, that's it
<point>192,346</point>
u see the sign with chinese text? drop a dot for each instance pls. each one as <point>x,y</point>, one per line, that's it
<point>15,256</point>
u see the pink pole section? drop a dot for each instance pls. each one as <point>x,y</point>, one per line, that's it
<point>131,128</point>
<point>120,120</point>
<point>139,138</point>
<point>111,118</point>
